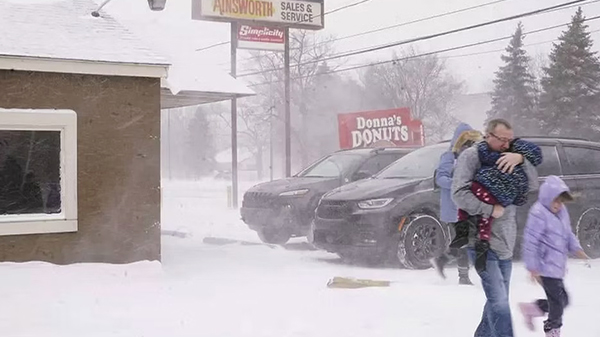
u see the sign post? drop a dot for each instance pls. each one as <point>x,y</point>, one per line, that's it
<point>234,152</point>
<point>288,122</point>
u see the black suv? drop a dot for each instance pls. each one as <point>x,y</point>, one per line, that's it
<point>393,216</point>
<point>285,208</point>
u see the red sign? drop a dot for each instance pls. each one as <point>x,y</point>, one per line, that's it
<point>260,37</point>
<point>364,129</point>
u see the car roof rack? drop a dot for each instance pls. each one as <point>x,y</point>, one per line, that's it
<point>540,137</point>
<point>559,138</point>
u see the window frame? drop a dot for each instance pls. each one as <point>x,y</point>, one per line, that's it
<point>64,121</point>
<point>557,149</point>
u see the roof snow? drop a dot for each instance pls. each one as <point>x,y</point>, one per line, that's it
<point>127,33</point>
<point>66,30</point>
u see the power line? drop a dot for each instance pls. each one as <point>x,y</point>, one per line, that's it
<point>416,21</point>
<point>436,16</point>
<point>422,38</point>
<point>213,45</point>
<point>322,15</point>
<point>437,52</point>
<point>346,6</point>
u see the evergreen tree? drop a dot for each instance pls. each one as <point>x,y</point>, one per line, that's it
<point>571,84</point>
<point>513,97</point>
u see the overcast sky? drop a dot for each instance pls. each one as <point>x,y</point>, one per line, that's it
<point>182,36</point>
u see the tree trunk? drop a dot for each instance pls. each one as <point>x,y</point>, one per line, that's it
<point>259,162</point>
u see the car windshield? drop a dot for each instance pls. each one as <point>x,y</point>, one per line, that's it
<point>335,165</point>
<point>420,163</point>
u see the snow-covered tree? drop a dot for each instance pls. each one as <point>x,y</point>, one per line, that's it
<point>571,85</point>
<point>514,95</point>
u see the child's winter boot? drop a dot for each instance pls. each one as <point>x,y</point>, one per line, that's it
<point>531,311</point>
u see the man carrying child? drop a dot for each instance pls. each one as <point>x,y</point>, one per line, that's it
<point>495,277</point>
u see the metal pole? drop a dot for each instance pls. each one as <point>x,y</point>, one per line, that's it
<point>288,139</point>
<point>271,147</point>
<point>234,154</point>
<point>169,144</point>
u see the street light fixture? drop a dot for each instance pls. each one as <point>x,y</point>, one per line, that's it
<point>155,5</point>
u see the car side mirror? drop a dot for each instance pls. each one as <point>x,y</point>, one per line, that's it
<point>360,175</point>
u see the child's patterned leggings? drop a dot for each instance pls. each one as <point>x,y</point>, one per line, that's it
<point>484,227</point>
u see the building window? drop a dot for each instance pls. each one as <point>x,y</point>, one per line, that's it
<point>38,171</point>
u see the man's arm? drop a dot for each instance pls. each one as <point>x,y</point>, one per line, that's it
<point>464,172</point>
<point>532,176</point>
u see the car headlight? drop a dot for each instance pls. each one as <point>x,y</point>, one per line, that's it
<point>374,203</point>
<point>293,193</point>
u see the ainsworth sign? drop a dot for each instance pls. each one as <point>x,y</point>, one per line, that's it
<point>260,37</point>
<point>364,129</point>
<point>293,14</point>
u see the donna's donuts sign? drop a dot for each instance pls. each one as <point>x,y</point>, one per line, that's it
<point>369,128</point>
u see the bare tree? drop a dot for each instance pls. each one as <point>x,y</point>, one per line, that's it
<point>307,49</point>
<point>254,129</point>
<point>421,83</point>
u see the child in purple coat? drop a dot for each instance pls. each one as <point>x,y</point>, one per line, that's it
<point>547,242</point>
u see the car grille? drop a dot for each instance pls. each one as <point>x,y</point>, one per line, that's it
<point>258,200</point>
<point>330,209</point>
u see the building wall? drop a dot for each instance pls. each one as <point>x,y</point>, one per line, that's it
<point>118,166</point>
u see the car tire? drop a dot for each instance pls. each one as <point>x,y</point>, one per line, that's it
<point>421,239</point>
<point>275,236</point>
<point>588,232</point>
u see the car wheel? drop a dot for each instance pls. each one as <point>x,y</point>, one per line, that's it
<point>275,236</point>
<point>421,239</point>
<point>588,232</point>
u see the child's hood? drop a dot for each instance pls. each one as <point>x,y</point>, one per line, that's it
<point>552,187</point>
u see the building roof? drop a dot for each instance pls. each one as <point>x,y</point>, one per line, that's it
<point>65,30</point>
<point>63,36</point>
<point>192,80</point>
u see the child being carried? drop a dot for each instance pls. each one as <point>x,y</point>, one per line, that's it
<point>495,187</point>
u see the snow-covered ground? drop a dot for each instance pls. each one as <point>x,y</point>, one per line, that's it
<point>253,290</point>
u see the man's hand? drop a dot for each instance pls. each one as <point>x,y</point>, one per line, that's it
<point>498,211</point>
<point>508,161</point>
<point>535,277</point>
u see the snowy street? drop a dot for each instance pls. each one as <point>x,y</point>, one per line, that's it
<point>253,290</point>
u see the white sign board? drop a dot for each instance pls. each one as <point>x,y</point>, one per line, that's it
<point>293,14</point>
<point>261,38</point>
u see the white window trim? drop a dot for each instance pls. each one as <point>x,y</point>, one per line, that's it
<point>64,121</point>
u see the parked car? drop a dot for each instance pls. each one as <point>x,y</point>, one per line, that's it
<point>285,208</point>
<point>393,216</point>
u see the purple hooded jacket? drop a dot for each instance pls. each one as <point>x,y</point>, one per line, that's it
<point>548,237</point>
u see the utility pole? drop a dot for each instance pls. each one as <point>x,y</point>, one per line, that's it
<point>287,121</point>
<point>234,145</point>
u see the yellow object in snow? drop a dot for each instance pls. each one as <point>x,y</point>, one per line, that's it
<point>352,283</point>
